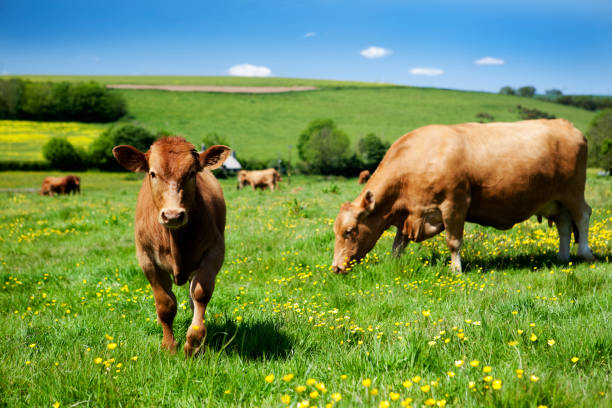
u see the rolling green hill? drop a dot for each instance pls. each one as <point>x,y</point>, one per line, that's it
<point>262,126</point>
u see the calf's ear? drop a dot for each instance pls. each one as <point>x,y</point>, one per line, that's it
<point>131,158</point>
<point>213,157</point>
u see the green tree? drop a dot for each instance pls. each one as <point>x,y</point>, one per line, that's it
<point>11,93</point>
<point>324,147</point>
<point>372,150</point>
<point>600,140</point>
<point>61,154</point>
<point>507,90</point>
<point>526,91</point>
<point>101,149</point>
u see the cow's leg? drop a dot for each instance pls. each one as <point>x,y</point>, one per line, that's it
<point>200,291</point>
<point>564,227</point>
<point>453,217</point>
<point>399,243</point>
<point>580,213</point>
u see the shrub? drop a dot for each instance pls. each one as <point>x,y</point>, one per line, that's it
<point>61,154</point>
<point>484,117</point>
<point>600,140</point>
<point>11,93</point>
<point>526,91</point>
<point>100,153</point>
<point>527,113</point>
<point>507,90</point>
<point>325,148</point>
<point>553,92</point>
<point>214,138</point>
<point>372,150</point>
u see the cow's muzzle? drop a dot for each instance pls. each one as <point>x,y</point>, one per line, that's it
<point>172,217</point>
<point>338,270</point>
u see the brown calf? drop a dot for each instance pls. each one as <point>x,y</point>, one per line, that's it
<point>258,179</point>
<point>179,227</point>
<point>60,185</point>
<point>364,176</point>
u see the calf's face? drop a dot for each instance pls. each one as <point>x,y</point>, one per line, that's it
<point>354,235</point>
<point>171,173</point>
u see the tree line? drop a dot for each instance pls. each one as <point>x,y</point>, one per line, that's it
<point>588,102</point>
<point>59,101</point>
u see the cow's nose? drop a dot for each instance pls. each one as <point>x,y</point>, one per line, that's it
<point>337,269</point>
<point>172,216</point>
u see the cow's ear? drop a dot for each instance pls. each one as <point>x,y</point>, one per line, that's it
<point>368,202</point>
<point>213,157</point>
<point>131,158</point>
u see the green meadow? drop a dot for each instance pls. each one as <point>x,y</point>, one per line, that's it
<point>516,329</point>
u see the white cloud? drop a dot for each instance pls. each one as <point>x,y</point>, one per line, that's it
<point>426,71</point>
<point>375,52</point>
<point>249,70</point>
<point>311,34</point>
<point>489,61</point>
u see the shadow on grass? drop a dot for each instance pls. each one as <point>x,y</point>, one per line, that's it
<point>521,261</point>
<point>254,340</point>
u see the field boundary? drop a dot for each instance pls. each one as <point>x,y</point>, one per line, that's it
<point>216,88</point>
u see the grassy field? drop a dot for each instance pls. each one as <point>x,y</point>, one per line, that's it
<point>515,330</point>
<point>263,126</point>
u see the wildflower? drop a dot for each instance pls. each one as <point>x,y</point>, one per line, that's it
<point>300,388</point>
<point>406,402</point>
<point>497,384</point>
<point>98,360</point>
<point>534,378</point>
<point>394,396</point>
<point>367,382</point>
<point>451,374</point>
<point>303,404</point>
<point>519,331</point>
<point>108,337</point>
<point>135,358</point>
<point>551,342</point>
<point>512,343</point>
<point>533,337</point>
<point>269,378</point>
<point>314,394</point>
<point>575,359</point>
<point>519,373</point>
<point>486,369</point>
<point>56,404</point>
<point>488,378</point>
<point>321,387</point>
<point>336,396</point>
<point>426,313</point>
<point>416,379</point>
<point>343,376</point>
<point>471,384</point>
<point>542,406</point>
<point>111,346</point>
<point>441,403</point>
<point>374,391</point>
<point>474,363</point>
<point>226,392</point>
<point>458,363</point>
<point>430,401</point>
<point>407,384</point>
<point>32,345</point>
<point>311,381</point>
<point>384,404</point>
<point>425,388</point>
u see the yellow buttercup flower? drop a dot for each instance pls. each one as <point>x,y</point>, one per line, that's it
<point>336,396</point>
<point>269,378</point>
<point>406,402</point>
<point>533,337</point>
<point>311,381</point>
<point>575,359</point>
<point>111,346</point>
<point>474,363</point>
<point>367,382</point>
<point>497,384</point>
<point>300,388</point>
<point>286,399</point>
<point>486,369</point>
<point>407,383</point>
<point>384,404</point>
<point>287,377</point>
<point>394,396</point>
<point>425,388</point>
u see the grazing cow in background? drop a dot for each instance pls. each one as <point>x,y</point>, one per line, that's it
<point>258,179</point>
<point>179,227</point>
<point>364,176</point>
<point>61,185</point>
<point>497,174</point>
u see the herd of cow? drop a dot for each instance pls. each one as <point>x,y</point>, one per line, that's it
<point>432,179</point>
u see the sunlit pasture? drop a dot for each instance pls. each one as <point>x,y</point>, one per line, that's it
<point>516,329</point>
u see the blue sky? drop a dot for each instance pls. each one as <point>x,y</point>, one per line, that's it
<point>559,44</point>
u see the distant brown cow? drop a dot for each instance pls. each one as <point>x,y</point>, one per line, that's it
<point>364,176</point>
<point>179,227</point>
<point>61,185</point>
<point>258,179</point>
<point>497,174</point>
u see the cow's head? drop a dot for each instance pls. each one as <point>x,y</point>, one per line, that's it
<point>172,164</point>
<point>355,233</point>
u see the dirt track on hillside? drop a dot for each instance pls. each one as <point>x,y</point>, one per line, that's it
<point>211,88</point>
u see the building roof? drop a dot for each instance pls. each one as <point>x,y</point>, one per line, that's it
<point>231,163</point>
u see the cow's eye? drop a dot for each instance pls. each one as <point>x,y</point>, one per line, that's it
<point>152,174</point>
<point>348,232</point>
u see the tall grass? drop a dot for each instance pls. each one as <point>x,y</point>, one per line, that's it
<point>281,327</point>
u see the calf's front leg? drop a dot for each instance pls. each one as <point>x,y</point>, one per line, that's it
<point>165,303</point>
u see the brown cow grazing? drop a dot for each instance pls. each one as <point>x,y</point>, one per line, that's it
<point>364,176</point>
<point>258,179</point>
<point>60,185</point>
<point>179,227</point>
<point>497,174</point>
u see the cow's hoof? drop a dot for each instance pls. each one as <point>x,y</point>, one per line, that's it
<point>587,256</point>
<point>171,347</point>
